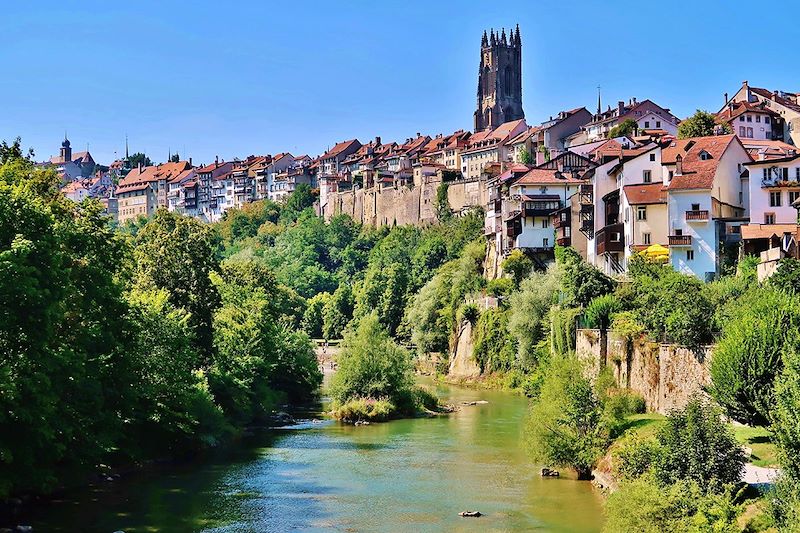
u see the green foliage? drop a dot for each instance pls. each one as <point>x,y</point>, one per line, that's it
<point>526,158</point>
<point>14,151</point>
<point>748,357</point>
<point>564,426</point>
<point>581,282</point>
<point>645,507</point>
<point>624,129</point>
<point>500,287</point>
<point>469,312</point>
<point>442,205</point>
<point>372,365</point>
<point>313,315</point>
<point>600,311</point>
<point>785,416</point>
<point>529,306</point>
<point>701,124</point>
<point>563,321</point>
<point>518,265</point>
<point>139,159</point>
<point>493,348</point>
<point>787,276</point>
<point>635,457</point>
<point>697,446</point>
<point>337,312</point>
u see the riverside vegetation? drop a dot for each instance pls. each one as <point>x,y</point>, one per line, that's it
<point>169,335</point>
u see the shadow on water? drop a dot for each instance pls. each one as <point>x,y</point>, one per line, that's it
<point>405,475</point>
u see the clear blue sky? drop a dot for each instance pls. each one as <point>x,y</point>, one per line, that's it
<point>241,77</point>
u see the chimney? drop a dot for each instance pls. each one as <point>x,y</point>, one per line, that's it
<point>418,134</point>
<point>620,107</point>
<point>216,161</point>
<point>377,141</point>
<point>726,98</point>
<point>140,167</point>
<point>190,162</point>
<point>678,165</point>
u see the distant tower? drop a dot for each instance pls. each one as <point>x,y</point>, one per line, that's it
<point>499,80</point>
<point>66,151</point>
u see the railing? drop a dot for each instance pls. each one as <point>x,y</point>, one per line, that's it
<point>610,239</point>
<point>695,215</point>
<point>680,240</point>
<point>586,194</point>
<point>563,241</point>
<point>540,208</point>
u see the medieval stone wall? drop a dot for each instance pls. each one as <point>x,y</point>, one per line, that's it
<point>666,375</point>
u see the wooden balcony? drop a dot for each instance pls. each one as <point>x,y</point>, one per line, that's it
<point>610,239</point>
<point>561,218</point>
<point>563,241</point>
<point>541,208</point>
<point>680,240</point>
<point>700,215</point>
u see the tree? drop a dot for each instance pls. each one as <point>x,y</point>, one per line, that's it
<point>442,206</point>
<point>337,312</point>
<point>786,417</point>
<point>564,426</point>
<point>749,355</point>
<point>529,307</point>
<point>787,276</point>
<point>372,365</point>
<point>139,159</point>
<point>701,124</point>
<point>10,152</point>
<point>174,158</point>
<point>525,157</point>
<point>625,128</point>
<point>600,311</point>
<point>176,253</point>
<point>313,315</point>
<point>518,265</point>
<point>582,282</point>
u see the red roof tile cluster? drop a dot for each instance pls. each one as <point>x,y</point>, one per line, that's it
<point>647,193</point>
<point>700,158</point>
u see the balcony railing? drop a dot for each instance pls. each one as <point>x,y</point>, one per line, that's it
<point>563,241</point>
<point>610,239</point>
<point>697,215</point>
<point>540,208</point>
<point>680,240</point>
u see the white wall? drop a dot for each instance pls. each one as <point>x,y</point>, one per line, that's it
<point>704,239</point>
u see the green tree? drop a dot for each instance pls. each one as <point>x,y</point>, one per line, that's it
<point>10,152</point>
<point>176,253</point>
<point>787,276</point>
<point>525,157</point>
<point>701,124</point>
<point>529,307</point>
<point>139,159</point>
<point>564,426</point>
<point>749,355</point>
<point>442,206</point>
<point>313,315</point>
<point>338,312</point>
<point>600,311</point>
<point>625,128</point>
<point>518,265</point>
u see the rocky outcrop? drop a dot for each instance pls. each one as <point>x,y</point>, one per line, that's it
<point>462,363</point>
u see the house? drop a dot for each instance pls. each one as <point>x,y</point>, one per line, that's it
<point>72,166</point>
<point>182,193</point>
<point>300,172</point>
<point>144,189</point>
<point>752,120</point>
<point>552,136</point>
<point>330,168</point>
<point>207,192</point>
<point>446,150</point>
<point>706,186</point>
<point>647,115</point>
<point>489,146</point>
<point>785,104</point>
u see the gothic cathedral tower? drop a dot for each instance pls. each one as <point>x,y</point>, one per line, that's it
<point>499,80</point>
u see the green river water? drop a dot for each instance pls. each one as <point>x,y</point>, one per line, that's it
<point>405,475</point>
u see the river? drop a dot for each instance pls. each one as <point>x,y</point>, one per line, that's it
<point>405,475</point>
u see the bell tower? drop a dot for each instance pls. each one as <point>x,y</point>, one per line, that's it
<point>66,151</point>
<point>499,80</point>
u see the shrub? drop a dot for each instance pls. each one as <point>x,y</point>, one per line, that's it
<point>564,426</point>
<point>500,287</point>
<point>699,447</point>
<point>492,345</point>
<point>786,416</point>
<point>563,321</point>
<point>470,313</point>
<point>528,308</point>
<point>635,456</point>
<point>600,311</point>
<point>787,276</point>
<point>518,265</point>
<point>748,357</point>
<point>365,409</point>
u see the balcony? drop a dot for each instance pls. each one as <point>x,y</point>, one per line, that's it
<point>610,239</point>
<point>540,208</point>
<point>586,194</point>
<point>680,240</point>
<point>563,241</point>
<point>697,215</point>
<point>561,218</point>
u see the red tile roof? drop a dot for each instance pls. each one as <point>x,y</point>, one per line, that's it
<point>697,173</point>
<point>648,193</point>
<point>734,109</point>
<point>546,176</point>
<point>338,148</point>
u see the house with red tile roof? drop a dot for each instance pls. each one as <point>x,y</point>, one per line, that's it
<point>647,115</point>
<point>489,146</point>
<point>552,136</point>
<point>707,185</point>
<point>785,104</point>
<point>752,120</point>
<point>330,168</point>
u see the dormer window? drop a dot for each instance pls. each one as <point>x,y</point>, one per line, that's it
<point>704,155</point>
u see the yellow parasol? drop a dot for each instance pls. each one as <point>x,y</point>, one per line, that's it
<point>656,252</point>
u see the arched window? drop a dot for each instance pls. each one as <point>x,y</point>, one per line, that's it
<point>508,79</point>
<point>487,89</point>
<point>488,116</point>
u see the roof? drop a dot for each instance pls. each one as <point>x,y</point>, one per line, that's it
<point>766,231</point>
<point>764,93</point>
<point>647,193</point>
<point>734,109</point>
<point>697,173</point>
<point>513,171</point>
<point>338,148</point>
<point>524,136</point>
<point>546,176</point>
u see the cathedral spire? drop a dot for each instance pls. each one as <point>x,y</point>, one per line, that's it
<point>518,40</point>
<point>484,40</point>
<point>126,147</point>
<point>503,38</point>
<point>492,39</point>
<point>599,107</point>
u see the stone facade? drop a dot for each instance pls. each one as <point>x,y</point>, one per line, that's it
<point>666,375</point>
<point>499,80</point>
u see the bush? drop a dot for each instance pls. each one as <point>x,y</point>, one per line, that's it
<point>518,265</point>
<point>365,409</point>
<point>492,345</point>
<point>786,416</point>
<point>563,321</point>
<point>645,507</point>
<point>528,307</point>
<point>697,446</point>
<point>469,312</point>
<point>635,456</point>
<point>749,355</point>
<point>564,426</point>
<point>600,311</point>
<point>787,276</point>
<point>500,287</point>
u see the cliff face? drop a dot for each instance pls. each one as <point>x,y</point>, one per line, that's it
<point>462,363</point>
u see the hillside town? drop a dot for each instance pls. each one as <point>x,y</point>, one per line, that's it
<point>611,182</point>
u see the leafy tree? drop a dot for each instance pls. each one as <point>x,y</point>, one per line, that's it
<point>518,265</point>
<point>493,346</point>
<point>581,281</point>
<point>10,152</point>
<point>174,158</point>
<point>372,365</point>
<point>442,206</point>
<point>529,307</point>
<point>301,199</point>
<point>786,419</point>
<point>139,158</point>
<point>176,253</point>
<point>313,315</point>
<point>624,129</point>
<point>787,276</point>
<point>525,157</point>
<point>600,311</point>
<point>564,426</point>
<point>749,355</point>
<point>337,312</point>
<point>701,124</point>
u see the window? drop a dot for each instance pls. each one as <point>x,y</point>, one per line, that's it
<point>766,120</point>
<point>646,123</point>
<point>785,172</point>
<point>741,119</point>
<point>690,255</point>
<point>545,222</point>
<point>775,199</point>
<point>647,176</point>
<point>749,133</point>
<point>742,131</point>
<point>671,174</point>
<point>797,173</point>
<point>545,242</point>
<point>658,123</point>
<point>749,118</point>
<point>646,238</point>
<point>542,190</point>
<point>793,196</point>
<point>758,118</point>
<point>652,157</point>
<point>704,155</point>
<point>678,232</point>
<point>769,218</point>
<point>641,212</point>
<point>695,207</point>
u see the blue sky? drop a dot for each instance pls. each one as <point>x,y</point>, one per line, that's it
<point>250,77</point>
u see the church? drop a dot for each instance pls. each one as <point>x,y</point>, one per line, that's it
<point>499,80</point>
<point>73,166</point>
